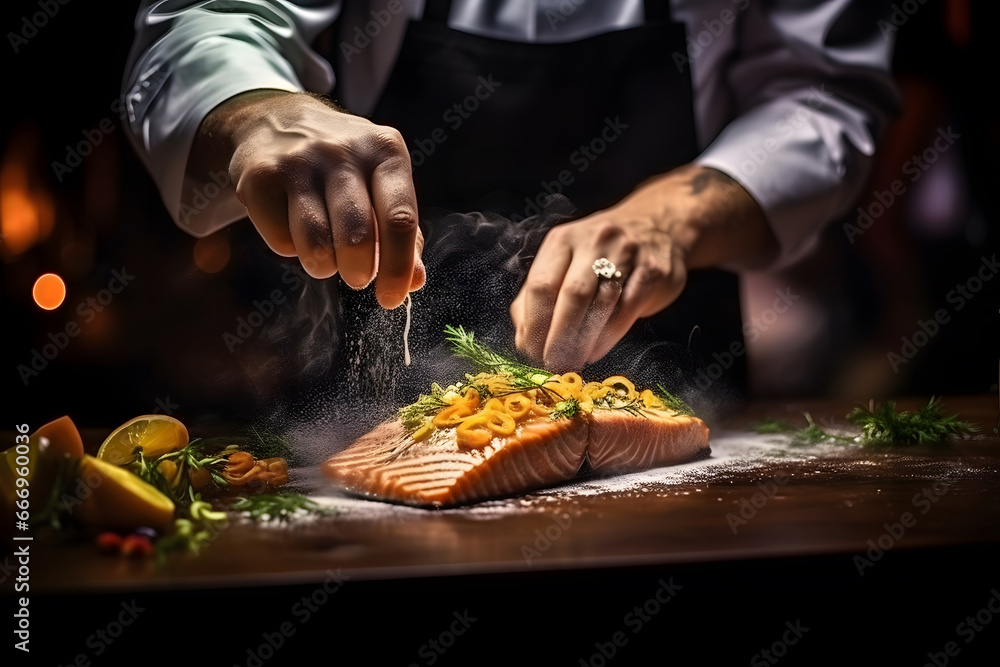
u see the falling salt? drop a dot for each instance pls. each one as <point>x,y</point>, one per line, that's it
<point>406,332</point>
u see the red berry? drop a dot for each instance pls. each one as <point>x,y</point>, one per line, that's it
<point>109,543</point>
<point>137,545</point>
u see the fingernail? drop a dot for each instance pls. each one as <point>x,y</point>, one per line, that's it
<point>393,298</point>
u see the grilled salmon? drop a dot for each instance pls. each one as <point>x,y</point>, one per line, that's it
<point>511,429</point>
<point>386,463</point>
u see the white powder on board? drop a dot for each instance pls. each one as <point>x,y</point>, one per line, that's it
<point>733,452</point>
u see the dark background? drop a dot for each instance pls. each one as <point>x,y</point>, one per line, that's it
<point>159,345</point>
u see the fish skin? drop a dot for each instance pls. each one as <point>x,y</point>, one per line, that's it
<point>385,464</point>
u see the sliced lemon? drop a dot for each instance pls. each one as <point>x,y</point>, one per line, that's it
<point>155,434</point>
<point>114,498</point>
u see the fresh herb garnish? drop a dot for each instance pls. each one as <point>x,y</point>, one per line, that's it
<point>465,346</point>
<point>884,426</point>
<point>209,454</point>
<point>193,532</point>
<point>812,434</point>
<point>279,506</point>
<point>565,409</point>
<point>673,402</point>
<point>414,414</point>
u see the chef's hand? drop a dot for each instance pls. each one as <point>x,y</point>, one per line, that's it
<point>332,188</point>
<point>692,217</point>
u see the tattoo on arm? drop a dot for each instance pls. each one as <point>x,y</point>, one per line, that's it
<point>706,178</point>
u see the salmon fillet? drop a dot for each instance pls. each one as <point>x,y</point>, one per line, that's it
<point>513,428</point>
<point>386,464</point>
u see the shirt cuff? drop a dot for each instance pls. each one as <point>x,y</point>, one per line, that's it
<point>803,167</point>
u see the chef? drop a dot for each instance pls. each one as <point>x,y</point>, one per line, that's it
<point>696,138</point>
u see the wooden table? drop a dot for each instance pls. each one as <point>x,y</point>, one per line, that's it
<point>807,554</point>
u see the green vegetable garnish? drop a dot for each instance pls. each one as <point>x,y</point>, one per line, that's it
<point>465,346</point>
<point>812,434</point>
<point>279,506</point>
<point>927,426</point>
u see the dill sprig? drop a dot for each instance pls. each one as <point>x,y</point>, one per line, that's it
<point>414,414</point>
<point>884,426</point>
<point>566,409</point>
<point>634,407</point>
<point>279,506</point>
<point>465,346</point>
<point>812,434</point>
<point>673,402</point>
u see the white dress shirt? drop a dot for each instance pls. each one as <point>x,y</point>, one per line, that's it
<point>789,96</point>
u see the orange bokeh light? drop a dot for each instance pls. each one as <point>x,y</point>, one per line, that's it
<point>49,291</point>
<point>211,254</point>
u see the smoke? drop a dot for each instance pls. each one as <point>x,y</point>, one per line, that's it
<point>345,353</point>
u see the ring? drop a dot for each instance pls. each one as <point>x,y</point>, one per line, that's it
<point>605,268</point>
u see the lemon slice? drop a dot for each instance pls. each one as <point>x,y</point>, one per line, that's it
<point>155,434</point>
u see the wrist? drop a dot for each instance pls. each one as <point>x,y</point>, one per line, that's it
<point>224,128</point>
<point>713,220</point>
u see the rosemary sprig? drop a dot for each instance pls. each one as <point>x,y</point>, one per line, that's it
<point>279,506</point>
<point>884,426</point>
<point>465,346</point>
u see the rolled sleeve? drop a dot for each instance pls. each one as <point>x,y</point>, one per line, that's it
<point>190,57</point>
<point>812,93</point>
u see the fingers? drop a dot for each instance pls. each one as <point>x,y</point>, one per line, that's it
<point>649,289</point>
<point>267,208</point>
<point>309,228</point>
<point>583,305</point>
<point>567,316</point>
<point>532,309</point>
<point>352,221</point>
<point>395,204</point>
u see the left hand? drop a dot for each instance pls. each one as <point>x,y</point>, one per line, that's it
<point>693,217</point>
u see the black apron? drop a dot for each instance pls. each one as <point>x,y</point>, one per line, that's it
<point>500,125</point>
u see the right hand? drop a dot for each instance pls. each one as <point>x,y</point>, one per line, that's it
<point>332,188</point>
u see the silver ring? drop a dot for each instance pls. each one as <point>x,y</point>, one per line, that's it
<point>605,268</point>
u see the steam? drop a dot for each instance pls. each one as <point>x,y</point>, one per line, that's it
<point>345,354</point>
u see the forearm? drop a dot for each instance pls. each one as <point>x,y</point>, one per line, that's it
<point>711,218</point>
